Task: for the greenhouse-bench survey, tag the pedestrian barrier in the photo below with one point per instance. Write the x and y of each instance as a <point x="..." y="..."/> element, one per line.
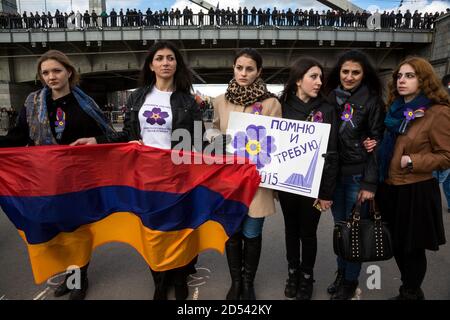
<point x="114" y="116"/>
<point x="4" y="121"/>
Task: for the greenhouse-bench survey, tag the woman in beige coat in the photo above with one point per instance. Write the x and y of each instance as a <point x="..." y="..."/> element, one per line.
<point x="247" y="93"/>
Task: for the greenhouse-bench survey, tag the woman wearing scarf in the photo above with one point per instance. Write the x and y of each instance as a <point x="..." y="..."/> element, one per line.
<point x="416" y="142"/>
<point x="247" y="93"/>
<point x="355" y="89"/>
<point x="302" y="100"/>
<point x="60" y="113"/>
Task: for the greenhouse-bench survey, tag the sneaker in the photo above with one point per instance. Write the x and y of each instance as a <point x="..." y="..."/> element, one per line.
<point x="346" y="291"/>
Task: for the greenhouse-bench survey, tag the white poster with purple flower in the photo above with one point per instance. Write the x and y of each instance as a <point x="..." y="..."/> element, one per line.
<point x="287" y="153"/>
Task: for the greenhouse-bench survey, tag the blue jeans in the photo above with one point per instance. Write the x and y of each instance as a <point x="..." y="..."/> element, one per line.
<point x="444" y="178"/>
<point x="347" y="189"/>
<point x="252" y="227"/>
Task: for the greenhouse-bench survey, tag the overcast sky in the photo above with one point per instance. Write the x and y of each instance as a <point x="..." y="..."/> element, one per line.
<point x="372" y="5"/>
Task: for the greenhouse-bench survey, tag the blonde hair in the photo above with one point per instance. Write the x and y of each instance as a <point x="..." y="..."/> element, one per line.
<point x="64" y="60"/>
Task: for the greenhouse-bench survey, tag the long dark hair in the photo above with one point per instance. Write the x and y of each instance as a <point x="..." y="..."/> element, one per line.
<point x="370" y="76"/>
<point x="183" y="76"/>
<point x="298" y="69"/>
<point x="251" y="53"/>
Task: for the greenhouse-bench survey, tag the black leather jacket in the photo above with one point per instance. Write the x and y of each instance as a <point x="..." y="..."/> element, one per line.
<point x="368" y="120"/>
<point x="185" y="112"/>
<point x="295" y="109"/>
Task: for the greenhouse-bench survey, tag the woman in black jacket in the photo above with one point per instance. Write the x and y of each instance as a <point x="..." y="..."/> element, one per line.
<point x="355" y="89"/>
<point x="302" y="100"/>
<point x="160" y="106"/>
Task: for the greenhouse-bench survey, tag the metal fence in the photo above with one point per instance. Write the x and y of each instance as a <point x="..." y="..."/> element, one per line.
<point x="297" y="19"/>
<point x="115" y="117"/>
<point x="4" y="121"/>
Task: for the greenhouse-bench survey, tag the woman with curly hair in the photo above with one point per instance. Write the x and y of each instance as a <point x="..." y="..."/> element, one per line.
<point x="354" y="88"/>
<point x="416" y="142"/>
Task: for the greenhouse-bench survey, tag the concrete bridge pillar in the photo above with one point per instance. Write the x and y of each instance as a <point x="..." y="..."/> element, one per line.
<point x="12" y="94"/>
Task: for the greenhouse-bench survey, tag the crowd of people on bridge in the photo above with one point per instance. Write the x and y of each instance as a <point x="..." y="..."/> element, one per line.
<point x="377" y="151"/>
<point x="217" y="17"/>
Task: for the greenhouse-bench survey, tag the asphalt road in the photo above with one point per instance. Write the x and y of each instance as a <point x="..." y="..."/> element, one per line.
<point x="117" y="271"/>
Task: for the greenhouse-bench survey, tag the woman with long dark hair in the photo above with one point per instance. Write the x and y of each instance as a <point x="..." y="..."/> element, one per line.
<point x="247" y="93"/>
<point x="354" y="88"/>
<point x="162" y="104"/>
<point x="302" y="100"/>
<point x="416" y="142"/>
<point x="59" y="113"/>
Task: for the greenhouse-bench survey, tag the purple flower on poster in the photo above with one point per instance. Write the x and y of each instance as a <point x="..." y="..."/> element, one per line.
<point x="255" y="145"/>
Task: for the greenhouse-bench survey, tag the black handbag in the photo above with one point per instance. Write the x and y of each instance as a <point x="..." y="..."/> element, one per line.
<point x="362" y="240"/>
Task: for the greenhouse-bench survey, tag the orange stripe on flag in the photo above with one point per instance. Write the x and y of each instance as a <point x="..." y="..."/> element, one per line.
<point x="161" y="250"/>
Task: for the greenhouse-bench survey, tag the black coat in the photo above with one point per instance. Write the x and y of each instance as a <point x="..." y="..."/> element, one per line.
<point x="295" y="109"/>
<point x="185" y="111"/>
<point x="368" y="119"/>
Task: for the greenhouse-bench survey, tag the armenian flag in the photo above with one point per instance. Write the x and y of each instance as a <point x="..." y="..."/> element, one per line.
<point x="65" y="201"/>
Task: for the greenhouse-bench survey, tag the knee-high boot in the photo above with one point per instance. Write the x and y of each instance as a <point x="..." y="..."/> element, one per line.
<point x="234" y="257"/>
<point x="179" y="276"/>
<point x="159" y="279"/>
<point x="252" y="252"/>
<point x="75" y="293"/>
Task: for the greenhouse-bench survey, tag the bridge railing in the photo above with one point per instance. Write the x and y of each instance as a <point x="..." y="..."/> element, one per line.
<point x="222" y="20"/>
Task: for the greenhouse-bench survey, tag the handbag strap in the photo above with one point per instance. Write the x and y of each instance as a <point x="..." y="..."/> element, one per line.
<point x="373" y="211"/>
<point x="356" y="212"/>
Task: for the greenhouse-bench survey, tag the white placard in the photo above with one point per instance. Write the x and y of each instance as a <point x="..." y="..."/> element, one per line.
<point x="288" y="153"/>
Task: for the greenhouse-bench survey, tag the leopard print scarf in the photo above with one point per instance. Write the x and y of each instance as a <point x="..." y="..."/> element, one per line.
<point x="246" y="96"/>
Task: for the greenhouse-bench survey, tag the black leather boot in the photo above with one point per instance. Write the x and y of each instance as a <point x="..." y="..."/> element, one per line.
<point x="180" y="283"/>
<point x="62" y="289"/>
<point x="305" y="286"/>
<point x="290" y="291"/>
<point x="77" y="293"/>
<point x="233" y="249"/>
<point x="252" y="252"/>
<point x="80" y="293"/>
<point x="346" y="291"/>
<point x="332" y="288"/>
<point x="159" y="280"/>
<point x="409" y="294"/>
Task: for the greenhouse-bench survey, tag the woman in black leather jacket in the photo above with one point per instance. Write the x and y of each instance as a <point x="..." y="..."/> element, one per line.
<point x="160" y="106"/>
<point x="302" y="100"/>
<point x="355" y="89"/>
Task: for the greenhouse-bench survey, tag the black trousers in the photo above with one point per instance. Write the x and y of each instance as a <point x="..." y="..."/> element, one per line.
<point x="413" y="266"/>
<point x="174" y="276"/>
<point x="301" y="220"/>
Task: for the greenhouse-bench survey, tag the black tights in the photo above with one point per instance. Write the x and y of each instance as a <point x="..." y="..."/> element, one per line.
<point x="413" y="266"/>
<point x="301" y="221"/>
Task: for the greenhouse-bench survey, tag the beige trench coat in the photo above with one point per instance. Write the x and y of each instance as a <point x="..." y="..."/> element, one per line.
<point x="263" y="203"/>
